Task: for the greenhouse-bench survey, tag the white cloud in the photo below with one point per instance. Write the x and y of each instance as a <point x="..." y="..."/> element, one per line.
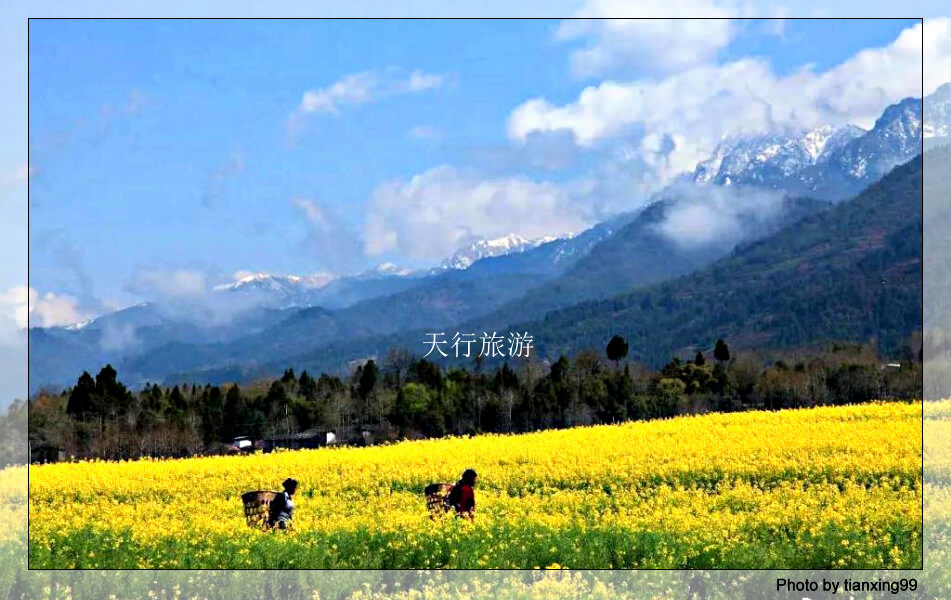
<point x="170" y="283"/>
<point x="432" y="214"/>
<point x="704" y="214"/>
<point x="937" y="53"/>
<point x="51" y="310"/>
<point x="14" y="305"/>
<point x="420" y="82"/>
<point x="654" y="46"/>
<point x="352" y="90"/>
<point x="361" y="88"/>
<point x="679" y="119"/>
<point x="21" y="306"/>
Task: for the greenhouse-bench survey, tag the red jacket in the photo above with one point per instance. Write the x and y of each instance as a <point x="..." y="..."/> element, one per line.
<point x="462" y="498"/>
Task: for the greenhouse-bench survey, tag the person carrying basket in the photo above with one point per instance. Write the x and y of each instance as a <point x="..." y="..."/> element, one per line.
<point x="281" y="509"/>
<point x="458" y="497"/>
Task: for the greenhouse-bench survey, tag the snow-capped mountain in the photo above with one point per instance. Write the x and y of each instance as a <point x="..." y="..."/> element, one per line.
<point x="509" y="244"/>
<point x="271" y="283"/>
<point x="286" y="291"/>
<point x="273" y="291"/>
<point x="386" y="269"/>
<point x="895" y="139"/>
<point x="768" y="159"/>
<point x="937" y="113"/>
<point x="828" y="162"/>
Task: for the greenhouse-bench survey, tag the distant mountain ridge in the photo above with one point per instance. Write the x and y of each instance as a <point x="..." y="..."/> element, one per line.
<point x="767" y="160"/>
<point x="279" y="291"/>
<point x="851" y="273"/>
<point x="526" y="281"/>
<point x="937" y="113"/>
<point x="466" y="256"/>
<point x="829" y="162"/>
<point x="285" y="291"/>
<point x="301" y="314"/>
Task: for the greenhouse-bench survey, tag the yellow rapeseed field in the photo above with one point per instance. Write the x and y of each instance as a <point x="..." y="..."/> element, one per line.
<point x="835" y="487"/>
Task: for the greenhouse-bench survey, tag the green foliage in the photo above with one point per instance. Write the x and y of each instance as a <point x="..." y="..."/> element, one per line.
<point x="413" y="400"/>
<point x="368" y="376"/>
<point x="616" y="349"/>
<point x="431" y="402"/>
<point x="721" y="351"/>
<point x="81" y="398"/>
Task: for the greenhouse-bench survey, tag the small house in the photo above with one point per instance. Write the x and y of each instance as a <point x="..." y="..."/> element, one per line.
<point x="312" y="438"/>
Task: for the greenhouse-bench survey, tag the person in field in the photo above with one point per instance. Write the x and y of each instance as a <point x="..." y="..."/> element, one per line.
<point x="461" y="497"/>
<point x="281" y="510"/>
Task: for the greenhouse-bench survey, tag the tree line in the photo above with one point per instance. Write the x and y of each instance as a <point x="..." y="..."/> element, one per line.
<point x="404" y="396"/>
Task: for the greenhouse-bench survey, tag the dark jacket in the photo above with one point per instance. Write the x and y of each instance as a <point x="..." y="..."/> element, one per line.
<point x="281" y="510"/>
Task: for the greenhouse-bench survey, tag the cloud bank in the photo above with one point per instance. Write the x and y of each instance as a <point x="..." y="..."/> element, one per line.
<point x="434" y="213"/>
<point x="701" y="214"/>
<point x="22" y="306"/>
<point x="618" y="45"/>
<point x="689" y="111"/>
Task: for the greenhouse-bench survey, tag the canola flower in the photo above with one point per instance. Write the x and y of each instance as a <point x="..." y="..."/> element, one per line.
<point x="833" y="487"/>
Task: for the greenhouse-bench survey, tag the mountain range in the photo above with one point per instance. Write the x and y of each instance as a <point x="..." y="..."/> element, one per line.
<point x="468" y="255"/>
<point x="848" y="273"/>
<point x="937" y="114"/>
<point x="829" y="162"/>
<point x="763" y="186"/>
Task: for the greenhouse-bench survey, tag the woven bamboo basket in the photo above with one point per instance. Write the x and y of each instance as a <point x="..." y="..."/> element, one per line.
<point x="436" y="497"/>
<point x="256" y="505"/>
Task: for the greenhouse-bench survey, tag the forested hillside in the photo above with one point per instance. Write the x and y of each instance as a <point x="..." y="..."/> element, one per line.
<point x="937" y="272"/>
<point x="639" y="255"/>
<point x="850" y="273"/>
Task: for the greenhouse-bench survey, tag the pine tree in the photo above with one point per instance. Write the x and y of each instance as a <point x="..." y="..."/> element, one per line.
<point x="721" y="352"/>
<point x="369" y="375"/>
<point x="80" y="402"/>
<point x="308" y="387"/>
<point x="617" y="349"/>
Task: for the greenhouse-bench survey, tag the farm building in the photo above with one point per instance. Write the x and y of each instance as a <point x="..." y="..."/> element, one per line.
<point x="312" y="438"/>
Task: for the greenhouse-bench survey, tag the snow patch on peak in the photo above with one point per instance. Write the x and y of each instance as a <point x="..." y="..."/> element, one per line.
<point x="831" y="161"/>
<point x="80" y="325"/>
<point x="937" y="113"/>
<point x="816" y="141"/>
<point x="758" y="159"/>
<point x="386" y="269"/>
<point x="508" y="244"/>
<point x="389" y="268"/>
<point x="245" y="280"/>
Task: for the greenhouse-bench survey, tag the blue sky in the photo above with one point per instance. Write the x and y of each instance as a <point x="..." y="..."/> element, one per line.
<point x="167" y="156"/>
<point x="181" y="145"/>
